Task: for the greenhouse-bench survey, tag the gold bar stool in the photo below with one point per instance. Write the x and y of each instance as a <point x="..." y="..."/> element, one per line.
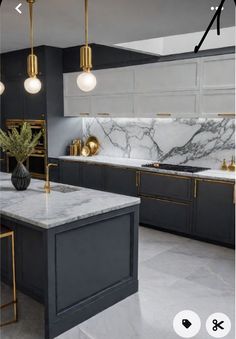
<point x="5" y="234"/>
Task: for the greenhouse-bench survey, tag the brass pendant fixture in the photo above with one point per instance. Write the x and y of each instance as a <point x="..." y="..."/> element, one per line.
<point x="86" y="81"/>
<point x="32" y="84"/>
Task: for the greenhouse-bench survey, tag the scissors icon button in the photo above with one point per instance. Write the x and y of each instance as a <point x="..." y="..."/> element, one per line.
<point x="217" y="325"/>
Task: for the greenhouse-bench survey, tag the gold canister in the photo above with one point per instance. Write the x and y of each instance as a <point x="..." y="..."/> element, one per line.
<point x="71" y="150"/>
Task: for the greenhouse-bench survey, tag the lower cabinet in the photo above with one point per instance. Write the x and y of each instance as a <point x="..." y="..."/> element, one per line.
<point x="28" y="255"/>
<point x="214" y="211"/>
<point x="169" y="215"/>
<point x="92" y="176"/>
<point x="120" y="180"/>
<point x="70" y="173"/>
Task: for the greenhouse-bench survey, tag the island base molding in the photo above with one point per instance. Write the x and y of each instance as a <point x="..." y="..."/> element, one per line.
<point x="78" y="269"/>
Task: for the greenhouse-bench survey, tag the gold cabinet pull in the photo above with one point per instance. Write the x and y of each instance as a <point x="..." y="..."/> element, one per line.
<point x="84" y="114"/>
<point x="234" y="193"/>
<point x="226" y="115"/>
<point x="163" y="114"/>
<point x="103" y="114"/>
<point x="137" y="179"/>
<point x="195" y="189"/>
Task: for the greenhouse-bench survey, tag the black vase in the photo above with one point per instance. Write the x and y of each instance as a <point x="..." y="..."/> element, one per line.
<point x="20" y="177"/>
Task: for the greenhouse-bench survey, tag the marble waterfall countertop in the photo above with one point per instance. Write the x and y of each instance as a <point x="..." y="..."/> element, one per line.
<point x="63" y="205"/>
<point x="137" y="164"/>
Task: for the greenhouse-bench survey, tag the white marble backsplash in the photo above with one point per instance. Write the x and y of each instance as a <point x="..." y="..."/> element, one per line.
<point x="200" y="142"/>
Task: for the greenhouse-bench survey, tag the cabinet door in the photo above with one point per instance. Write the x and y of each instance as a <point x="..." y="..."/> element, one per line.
<point x="121" y="181"/>
<point x="69" y="173"/>
<point x="166" y="186"/>
<point x="113" y="105"/>
<point x="165" y="214"/>
<point x="214" y="211"/>
<point x="12" y="99"/>
<point x="149" y="105"/>
<point x="76" y="106"/>
<point x="35" y="104"/>
<point x="92" y="176"/>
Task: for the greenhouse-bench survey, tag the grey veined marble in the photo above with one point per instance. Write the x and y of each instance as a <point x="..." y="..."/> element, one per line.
<point x="200" y="142"/>
<point x="63" y="205"/>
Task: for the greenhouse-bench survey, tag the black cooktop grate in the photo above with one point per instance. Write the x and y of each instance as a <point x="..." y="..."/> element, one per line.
<point x="179" y="168"/>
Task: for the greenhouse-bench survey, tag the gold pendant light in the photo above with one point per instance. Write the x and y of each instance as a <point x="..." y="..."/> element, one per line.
<point x="86" y="81"/>
<point x="32" y="84"/>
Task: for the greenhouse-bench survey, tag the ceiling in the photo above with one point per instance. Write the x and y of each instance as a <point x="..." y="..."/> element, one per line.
<point x="60" y="22"/>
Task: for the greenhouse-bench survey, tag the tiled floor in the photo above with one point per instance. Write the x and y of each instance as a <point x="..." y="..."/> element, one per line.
<point x="175" y="273"/>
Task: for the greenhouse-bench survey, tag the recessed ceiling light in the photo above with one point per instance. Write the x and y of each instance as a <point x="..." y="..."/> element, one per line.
<point x="212" y="8"/>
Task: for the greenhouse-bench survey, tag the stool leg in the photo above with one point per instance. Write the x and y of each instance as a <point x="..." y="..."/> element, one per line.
<point x="14" y="276"/>
<point x="14" y="301"/>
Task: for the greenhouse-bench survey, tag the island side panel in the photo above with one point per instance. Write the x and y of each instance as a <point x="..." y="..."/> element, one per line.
<point x="29" y="258"/>
<point x="91" y="265"/>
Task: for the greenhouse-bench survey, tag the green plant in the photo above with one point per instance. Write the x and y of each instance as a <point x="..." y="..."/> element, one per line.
<point x="19" y="144"/>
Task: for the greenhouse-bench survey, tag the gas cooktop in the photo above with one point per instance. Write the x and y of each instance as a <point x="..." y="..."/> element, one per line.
<point x="179" y="168"/>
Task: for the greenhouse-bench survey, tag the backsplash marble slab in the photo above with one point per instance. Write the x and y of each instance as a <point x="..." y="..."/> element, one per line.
<point x="200" y="142"/>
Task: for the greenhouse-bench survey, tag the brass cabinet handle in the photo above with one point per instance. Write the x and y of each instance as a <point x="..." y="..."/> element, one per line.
<point x="195" y="189"/>
<point x="163" y="114"/>
<point x="234" y="195"/>
<point x="137" y="179"/>
<point x="103" y="114"/>
<point x="225" y="115"/>
<point x="84" y="114"/>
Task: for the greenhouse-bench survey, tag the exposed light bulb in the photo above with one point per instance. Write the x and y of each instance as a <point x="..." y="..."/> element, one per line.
<point x="2" y="88"/>
<point x="86" y="81"/>
<point x="32" y="85"/>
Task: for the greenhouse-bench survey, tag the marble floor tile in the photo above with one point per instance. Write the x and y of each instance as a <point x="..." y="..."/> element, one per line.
<point x="175" y="273"/>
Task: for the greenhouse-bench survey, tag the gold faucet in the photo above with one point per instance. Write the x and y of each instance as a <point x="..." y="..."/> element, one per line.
<point x="47" y="186"/>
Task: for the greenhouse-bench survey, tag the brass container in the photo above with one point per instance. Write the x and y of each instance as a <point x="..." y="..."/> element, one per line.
<point x="224" y="166"/>
<point x="86" y="151"/>
<point x="231" y="167"/>
<point x="93" y="143"/>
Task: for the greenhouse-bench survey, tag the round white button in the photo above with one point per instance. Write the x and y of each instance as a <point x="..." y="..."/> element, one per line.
<point x="218" y="325"/>
<point x="187" y="324"/>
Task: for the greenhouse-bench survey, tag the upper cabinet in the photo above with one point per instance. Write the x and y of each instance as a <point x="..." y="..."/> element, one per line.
<point x="191" y="87"/>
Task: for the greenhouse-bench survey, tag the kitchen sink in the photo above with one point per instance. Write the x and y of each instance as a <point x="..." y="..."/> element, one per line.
<point x="64" y="189"/>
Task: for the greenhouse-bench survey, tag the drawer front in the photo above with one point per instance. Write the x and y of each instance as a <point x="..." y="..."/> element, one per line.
<point x="165" y="186"/>
<point x="166" y="214"/>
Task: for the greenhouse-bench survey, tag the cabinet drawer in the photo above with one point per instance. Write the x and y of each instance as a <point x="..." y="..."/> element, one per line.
<point x="165" y="186"/>
<point x="165" y="214"/>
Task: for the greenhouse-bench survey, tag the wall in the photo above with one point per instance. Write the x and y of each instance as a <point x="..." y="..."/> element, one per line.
<point x="201" y="142"/>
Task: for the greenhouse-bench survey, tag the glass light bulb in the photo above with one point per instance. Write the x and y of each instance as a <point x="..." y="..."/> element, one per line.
<point x="32" y="85"/>
<point x="86" y="81"/>
<point x="2" y="88"/>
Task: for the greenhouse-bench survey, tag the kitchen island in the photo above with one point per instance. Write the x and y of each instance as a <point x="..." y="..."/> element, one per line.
<point x="76" y="249"/>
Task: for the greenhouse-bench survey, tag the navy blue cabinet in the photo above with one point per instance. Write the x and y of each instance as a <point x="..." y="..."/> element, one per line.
<point x="70" y="173"/>
<point x="120" y="180"/>
<point x="214" y="210"/>
<point x="165" y="201"/>
<point x="92" y="176"/>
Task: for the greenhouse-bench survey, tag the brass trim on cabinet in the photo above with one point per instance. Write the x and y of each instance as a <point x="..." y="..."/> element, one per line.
<point x="195" y="189"/>
<point x="165" y="200"/>
<point x="166" y="175"/>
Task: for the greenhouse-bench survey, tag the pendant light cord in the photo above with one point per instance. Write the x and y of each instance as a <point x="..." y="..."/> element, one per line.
<point x="86" y="22"/>
<point x="31" y="27"/>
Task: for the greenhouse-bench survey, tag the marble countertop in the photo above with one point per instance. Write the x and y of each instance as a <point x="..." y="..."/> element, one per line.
<point x="137" y="164"/>
<point x="36" y="207"/>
